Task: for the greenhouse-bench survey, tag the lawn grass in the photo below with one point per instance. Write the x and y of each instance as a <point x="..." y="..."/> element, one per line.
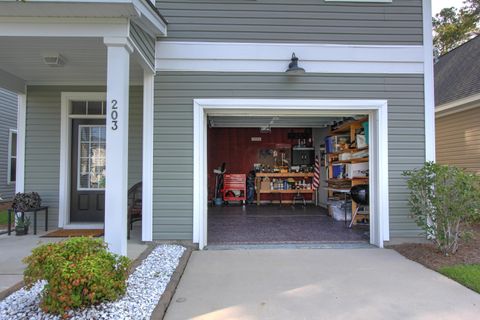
<point x="466" y="274"/>
<point x="3" y="217"/>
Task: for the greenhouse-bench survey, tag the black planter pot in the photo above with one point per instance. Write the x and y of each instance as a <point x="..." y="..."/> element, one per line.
<point x="21" y="231"/>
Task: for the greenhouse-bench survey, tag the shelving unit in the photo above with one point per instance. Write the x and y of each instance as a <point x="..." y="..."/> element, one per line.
<point x="332" y="159"/>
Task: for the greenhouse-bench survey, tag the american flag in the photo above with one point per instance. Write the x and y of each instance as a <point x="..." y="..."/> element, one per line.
<point x="316" y="174"/>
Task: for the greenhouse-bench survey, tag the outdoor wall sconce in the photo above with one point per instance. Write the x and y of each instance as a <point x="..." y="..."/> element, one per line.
<point x="293" y="67"/>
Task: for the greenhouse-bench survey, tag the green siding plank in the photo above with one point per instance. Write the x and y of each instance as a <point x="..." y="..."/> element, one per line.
<point x="289" y="21"/>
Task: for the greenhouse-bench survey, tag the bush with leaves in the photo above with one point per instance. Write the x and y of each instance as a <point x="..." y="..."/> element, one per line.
<point x="79" y="272"/>
<point x="444" y="200"/>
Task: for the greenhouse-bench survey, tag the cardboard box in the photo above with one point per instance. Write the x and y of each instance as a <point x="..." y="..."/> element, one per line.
<point x="357" y="170"/>
<point x="265" y="184"/>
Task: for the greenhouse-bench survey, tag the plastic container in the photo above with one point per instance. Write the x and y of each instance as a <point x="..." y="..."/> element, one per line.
<point x="365" y="129"/>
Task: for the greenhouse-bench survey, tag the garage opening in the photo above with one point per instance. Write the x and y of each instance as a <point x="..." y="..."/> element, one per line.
<point x="288" y="179"/>
<point x="326" y="118"/>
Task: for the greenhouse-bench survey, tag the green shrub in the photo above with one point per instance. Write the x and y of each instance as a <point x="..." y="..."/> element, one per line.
<point x="79" y="272"/>
<point x="443" y="201"/>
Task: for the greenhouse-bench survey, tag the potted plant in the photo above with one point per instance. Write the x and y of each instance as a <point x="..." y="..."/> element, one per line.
<point x="21" y="224"/>
<point x="26" y="201"/>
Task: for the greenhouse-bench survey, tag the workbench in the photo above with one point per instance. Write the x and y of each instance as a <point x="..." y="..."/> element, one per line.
<point x="308" y="176"/>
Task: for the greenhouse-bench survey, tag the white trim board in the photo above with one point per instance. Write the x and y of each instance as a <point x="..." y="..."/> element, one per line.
<point x="275" y="57"/>
<point x="21" y="134"/>
<point x="459" y="105"/>
<point x="62" y="27"/>
<point x="428" y="82"/>
<point x="9" y="156"/>
<point x="147" y="157"/>
<point x="378" y="141"/>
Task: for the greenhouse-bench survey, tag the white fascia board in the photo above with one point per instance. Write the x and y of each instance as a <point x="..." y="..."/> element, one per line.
<point x="64" y="27"/>
<point x="274" y="57"/>
<point x="152" y="23"/>
<point x="459" y="105"/>
<point x="429" y="95"/>
<point x="11" y="82"/>
<point x="138" y="10"/>
<point x="366" y="1"/>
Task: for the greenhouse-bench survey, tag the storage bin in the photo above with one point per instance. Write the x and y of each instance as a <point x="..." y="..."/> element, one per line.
<point x="357" y="170"/>
<point x="345" y="156"/>
<point x="361" y="141"/>
<point x="365" y="129"/>
<point x="336" y="209"/>
<point x="338" y="171"/>
<point x="336" y="143"/>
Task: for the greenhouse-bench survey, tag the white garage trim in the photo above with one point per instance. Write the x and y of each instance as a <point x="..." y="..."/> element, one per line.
<point x="378" y="141"/>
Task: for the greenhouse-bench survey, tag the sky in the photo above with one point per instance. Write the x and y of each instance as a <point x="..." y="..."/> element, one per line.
<point x="438" y="5"/>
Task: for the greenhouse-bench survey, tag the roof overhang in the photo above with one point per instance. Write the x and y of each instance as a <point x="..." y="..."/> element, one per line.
<point x="141" y="12"/>
<point x="459" y="105"/>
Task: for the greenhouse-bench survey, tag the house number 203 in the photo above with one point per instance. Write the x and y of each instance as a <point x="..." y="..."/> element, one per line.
<point x="114" y="115"/>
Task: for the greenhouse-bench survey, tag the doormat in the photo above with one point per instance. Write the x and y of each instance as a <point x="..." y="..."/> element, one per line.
<point x="66" y="233"/>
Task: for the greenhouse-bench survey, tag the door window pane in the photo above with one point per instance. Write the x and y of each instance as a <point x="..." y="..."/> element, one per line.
<point x="91" y="171"/>
<point x="79" y="107"/>
<point x="94" y="107"/>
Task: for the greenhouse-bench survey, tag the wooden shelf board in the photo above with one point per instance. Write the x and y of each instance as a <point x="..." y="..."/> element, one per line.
<point x="288" y="191"/>
<point x="358" y="160"/>
<point x="346" y="151"/>
<point x="358" y="178"/>
<point x="285" y="175"/>
<point x="345" y="127"/>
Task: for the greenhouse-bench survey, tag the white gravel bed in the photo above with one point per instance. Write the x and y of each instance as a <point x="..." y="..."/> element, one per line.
<point x="144" y="289"/>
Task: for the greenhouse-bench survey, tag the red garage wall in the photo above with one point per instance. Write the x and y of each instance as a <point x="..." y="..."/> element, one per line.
<point x="234" y="147"/>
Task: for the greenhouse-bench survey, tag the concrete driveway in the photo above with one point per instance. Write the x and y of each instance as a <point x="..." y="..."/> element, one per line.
<point x="316" y="284"/>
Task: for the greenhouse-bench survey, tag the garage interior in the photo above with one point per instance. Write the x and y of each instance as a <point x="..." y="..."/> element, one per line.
<point x="287" y="179"/>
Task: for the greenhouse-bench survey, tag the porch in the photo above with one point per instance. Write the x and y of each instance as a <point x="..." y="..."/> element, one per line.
<point x="85" y="124"/>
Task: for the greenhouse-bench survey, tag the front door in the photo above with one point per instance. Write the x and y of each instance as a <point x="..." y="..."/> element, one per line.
<point x="87" y="198"/>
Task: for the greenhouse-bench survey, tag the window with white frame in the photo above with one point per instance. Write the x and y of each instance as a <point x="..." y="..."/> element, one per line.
<point x="12" y="156"/>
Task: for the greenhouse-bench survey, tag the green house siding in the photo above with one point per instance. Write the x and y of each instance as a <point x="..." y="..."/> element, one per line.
<point x="287" y="21"/>
<point x="42" y="141"/>
<point x="173" y="132"/>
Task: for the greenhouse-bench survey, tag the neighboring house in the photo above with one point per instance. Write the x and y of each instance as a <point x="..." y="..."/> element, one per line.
<point x="8" y="143"/>
<point x="457" y="99"/>
<point x="107" y="94"/>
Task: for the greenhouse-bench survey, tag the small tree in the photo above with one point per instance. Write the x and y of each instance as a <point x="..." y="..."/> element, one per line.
<point x="443" y="201"/>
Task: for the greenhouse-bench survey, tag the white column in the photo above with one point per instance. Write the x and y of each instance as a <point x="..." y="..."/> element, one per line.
<point x="21" y="132"/>
<point x="147" y="180"/>
<point x="116" y="191"/>
<point x="428" y="82"/>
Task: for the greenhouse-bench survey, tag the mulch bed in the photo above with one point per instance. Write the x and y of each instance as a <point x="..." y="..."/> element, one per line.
<point x="66" y="233"/>
<point x="429" y="256"/>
